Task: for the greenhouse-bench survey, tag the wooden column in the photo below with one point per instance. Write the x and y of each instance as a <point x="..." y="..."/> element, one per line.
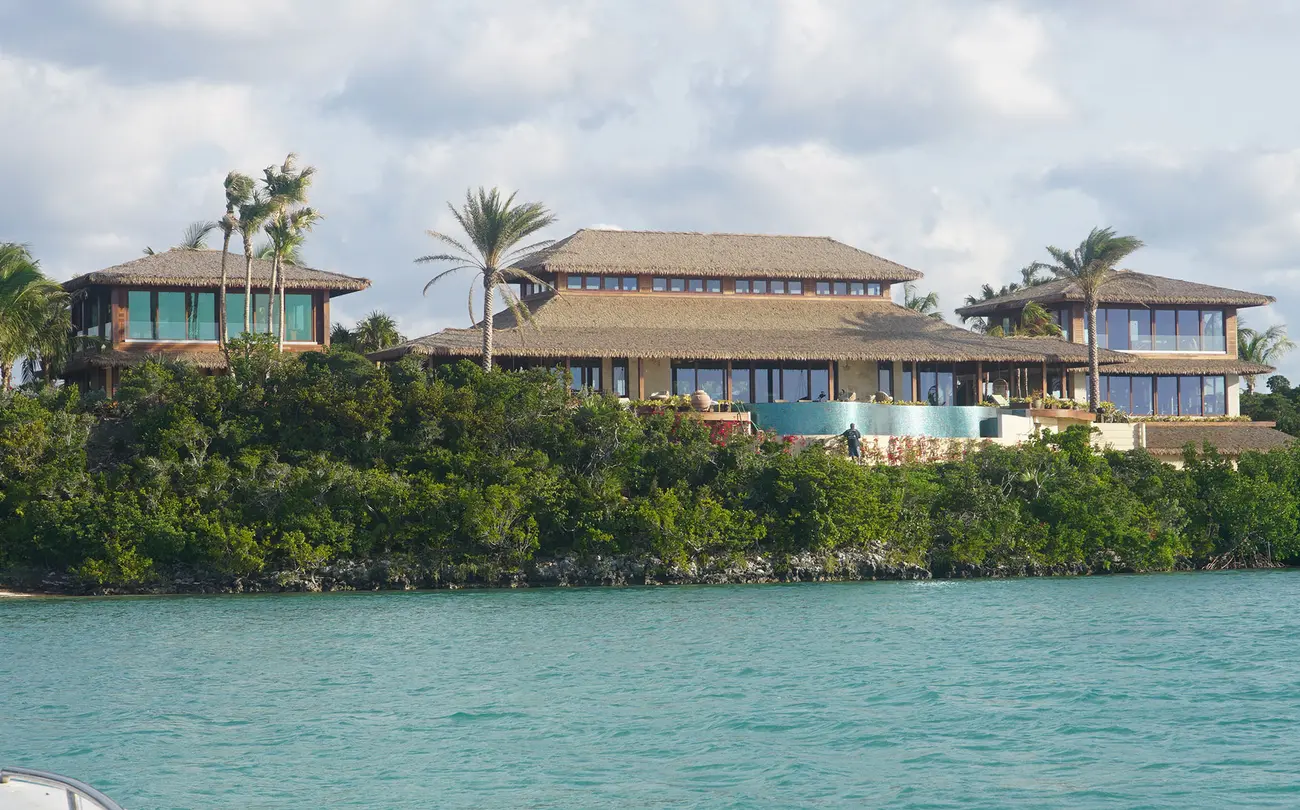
<point x="640" y="379"/>
<point x="979" y="381"/>
<point x="1044" y="378"/>
<point x="726" y="383"/>
<point x="830" y="375"/>
<point x="916" y="382"/>
<point x="324" y="320"/>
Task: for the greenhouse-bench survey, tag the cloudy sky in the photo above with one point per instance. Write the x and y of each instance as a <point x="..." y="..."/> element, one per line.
<point x="955" y="136"/>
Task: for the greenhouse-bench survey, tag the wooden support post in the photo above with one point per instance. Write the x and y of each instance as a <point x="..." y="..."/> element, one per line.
<point x="916" y="382"/>
<point x="1044" y="378"/>
<point x="830" y="376"/>
<point x="979" y="381"/>
<point x="640" y="379"/>
<point x="726" y="383"/>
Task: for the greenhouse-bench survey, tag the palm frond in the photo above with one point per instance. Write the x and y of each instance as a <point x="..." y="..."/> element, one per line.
<point x="196" y="235"/>
<point x="446" y="273"/>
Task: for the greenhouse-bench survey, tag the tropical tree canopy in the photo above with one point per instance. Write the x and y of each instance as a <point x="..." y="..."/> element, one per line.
<point x="376" y="331"/>
<point x="195" y="236"/>
<point x="924" y="304"/>
<point x="34" y="319"/>
<point x="1091" y="266"/>
<point x="495" y="228"/>
<point x="1265" y="348"/>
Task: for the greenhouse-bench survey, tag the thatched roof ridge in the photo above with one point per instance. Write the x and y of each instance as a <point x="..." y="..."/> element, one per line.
<point x="731" y="255"/>
<point x="1130" y="288"/>
<point x="1229" y="438"/>
<point x="731" y="327"/>
<point x="202" y="268"/>
<point x="1188" y="365"/>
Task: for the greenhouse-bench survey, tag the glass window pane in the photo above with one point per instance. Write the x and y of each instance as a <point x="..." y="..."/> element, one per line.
<point x="683" y="379"/>
<point x="201" y="316"/>
<point x="740" y="384"/>
<point x="873" y="289"/>
<point x="261" y="312"/>
<point x="1216" y="403"/>
<point x="297" y="317"/>
<point x="573" y="282"/>
<point x="778" y="288"/>
<point x="1166" y="339"/>
<point x="678" y="285"/>
<point x="794" y="384"/>
<point x="885" y="378"/>
<point x="171" y="316"/>
<point x="611" y="283"/>
<point x="139" y="311"/>
<point x="1141" y="396"/>
<point x="629" y="283"/>
<point x="760" y="286"/>
<point x="659" y="285"/>
<point x="620" y="378"/>
<point x="593" y="377"/>
<point x="1212" y="337"/>
<point x="713" y="285"/>
<point x="841" y="288"/>
<point x="1116" y="329"/>
<point x="1119" y="393"/>
<point x="819" y="383"/>
<point x="1139" y="330"/>
<point x="928" y="383"/>
<point x="946" y="390"/>
<point x="1101" y="328"/>
<point x="823" y="288"/>
<point x="762" y="384"/>
<point x="907" y="394"/>
<point x="742" y="286"/>
<point x="712" y="381"/>
<point x="592" y="283"/>
<point x="794" y="287"/>
<point x="857" y="288"/>
<point x="1189" y="391"/>
<point x="697" y="285"/>
<point x="1103" y="389"/>
<point x="1167" y="396"/>
<point x="1189" y="330"/>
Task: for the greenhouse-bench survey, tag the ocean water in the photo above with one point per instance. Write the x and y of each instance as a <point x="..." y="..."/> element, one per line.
<point x="1142" y="691"/>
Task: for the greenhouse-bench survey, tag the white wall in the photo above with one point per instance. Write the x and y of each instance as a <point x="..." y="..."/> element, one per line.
<point x="1234" y="394"/>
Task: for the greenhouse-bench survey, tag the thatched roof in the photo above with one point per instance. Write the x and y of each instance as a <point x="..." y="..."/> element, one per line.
<point x="714" y="254"/>
<point x="730" y="327"/>
<point x="1230" y="438"/>
<point x="1129" y="288"/>
<point x="109" y="358"/>
<point x="1188" y="365"/>
<point x="202" y="268"/>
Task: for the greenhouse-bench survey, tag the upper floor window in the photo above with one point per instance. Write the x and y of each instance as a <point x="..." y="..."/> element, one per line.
<point x="1161" y="330"/>
<point x="764" y="286"/>
<point x="695" y="285"/>
<point x="182" y="317"/>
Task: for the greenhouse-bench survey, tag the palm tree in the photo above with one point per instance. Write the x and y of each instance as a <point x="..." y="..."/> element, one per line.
<point x="252" y="216"/>
<point x="1091" y="266"/>
<point x="921" y="304"/>
<point x="266" y="251"/>
<point x="340" y="335"/>
<point x="376" y="331"/>
<point x="28" y="304"/>
<point x="1264" y="348"/>
<point x="53" y="343"/>
<point x="1036" y="321"/>
<point x="495" y="228"/>
<point x="194" y="238"/>
<point x="239" y="191"/>
<point x="286" y="189"/>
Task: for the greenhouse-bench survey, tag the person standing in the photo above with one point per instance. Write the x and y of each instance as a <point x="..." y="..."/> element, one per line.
<point x="854" y="439"/>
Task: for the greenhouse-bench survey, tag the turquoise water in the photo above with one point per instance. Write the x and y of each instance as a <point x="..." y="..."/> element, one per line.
<point x="1158" y="691"/>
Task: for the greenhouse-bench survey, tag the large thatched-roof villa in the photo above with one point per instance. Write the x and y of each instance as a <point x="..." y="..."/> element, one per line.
<point x="778" y="321"/>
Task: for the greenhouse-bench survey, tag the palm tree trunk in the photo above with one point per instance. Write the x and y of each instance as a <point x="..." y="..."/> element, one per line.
<point x="270" y="302"/>
<point x="488" y="290"/>
<point x="248" y="283"/>
<point x="1250" y="383"/>
<point x="221" y="301"/>
<point x="282" y="306"/>
<point x="1094" y="379"/>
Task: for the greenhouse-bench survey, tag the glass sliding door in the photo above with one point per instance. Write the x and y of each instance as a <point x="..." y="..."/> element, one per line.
<point x="1167" y="396"/>
<point x="711" y="380"/>
<point x="819" y="383"/>
<point x="740" y="388"/>
<point x="1166" y="337"/>
<point x="1142" y="396"/>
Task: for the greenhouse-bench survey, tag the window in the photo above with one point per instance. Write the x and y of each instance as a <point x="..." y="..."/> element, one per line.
<point x="778" y="288"/>
<point x="1139" y="330"/>
<point x="678" y="285"/>
<point x="1116" y="331"/>
<point x="873" y="289"/>
<point x="841" y="288"/>
<point x="742" y="286"/>
<point x="1119" y="393"/>
<point x="857" y="288"/>
<point x="173" y="316"/>
<point x="1166" y="338"/>
<point x="1167" y="396"/>
<point x="592" y="283"/>
<point x="1189" y="396"/>
<point x="659" y="285"/>
<point x="885" y="377"/>
<point x="767" y="382"/>
<point x="573" y="283"/>
<point x="794" y="384"/>
<point x="697" y="285"/>
<point x="1189" y="330"/>
<point x="819" y="383"/>
<point x="611" y="283"/>
<point x="297" y="317"/>
<point x="139" y="310"/>
<point x="584" y="374"/>
<point x="936" y="384"/>
<point x="689" y="378"/>
<point x="907" y="394"/>
<point x="630" y="284"/>
<point x="1141" y="399"/>
<point x="1213" y="396"/>
<point x="713" y="285"/>
<point x="823" y="288"/>
<point x="1212" y="335"/>
<point x="794" y="287"/>
<point x="740" y="384"/>
<point x="760" y="287"/>
<point x="619" y="371"/>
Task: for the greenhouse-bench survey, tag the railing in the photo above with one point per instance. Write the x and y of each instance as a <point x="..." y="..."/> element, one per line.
<point x="79" y="795"/>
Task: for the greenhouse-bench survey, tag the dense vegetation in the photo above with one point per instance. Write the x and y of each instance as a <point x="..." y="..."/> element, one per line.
<point x="1281" y="405"/>
<point x="293" y="463"/>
